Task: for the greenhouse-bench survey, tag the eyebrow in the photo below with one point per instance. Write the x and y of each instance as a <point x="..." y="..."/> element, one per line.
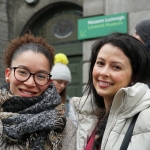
<point x="99" y="58"/>
<point x="24" y="67"/>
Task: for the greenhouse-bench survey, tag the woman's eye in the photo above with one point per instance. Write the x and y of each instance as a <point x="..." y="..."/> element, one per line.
<point x="117" y="67"/>
<point x="59" y="81"/>
<point x="22" y="72"/>
<point x="40" y="76"/>
<point x="100" y="63"/>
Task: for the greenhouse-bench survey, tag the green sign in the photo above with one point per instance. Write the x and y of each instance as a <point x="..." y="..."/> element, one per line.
<point x="102" y="25"/>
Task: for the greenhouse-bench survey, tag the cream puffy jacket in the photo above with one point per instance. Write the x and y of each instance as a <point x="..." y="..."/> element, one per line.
<point x="127" y="102"/>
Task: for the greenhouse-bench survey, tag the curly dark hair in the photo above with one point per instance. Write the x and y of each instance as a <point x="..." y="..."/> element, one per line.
<point x="25" y="43"/>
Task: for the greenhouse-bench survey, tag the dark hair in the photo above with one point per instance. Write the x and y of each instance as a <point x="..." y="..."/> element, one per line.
<point x="28" y="42"/>
<point x="137" y="53"/>
<point x="139" y="58"/>
<point x="63" y="96"/>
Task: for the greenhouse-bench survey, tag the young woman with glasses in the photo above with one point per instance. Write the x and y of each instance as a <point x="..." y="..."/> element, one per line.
<point x="31" y="114"/>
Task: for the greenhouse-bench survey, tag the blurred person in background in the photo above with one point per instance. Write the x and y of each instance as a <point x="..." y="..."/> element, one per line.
<point x="142" y="32"/>
<point x="61" y="77"/>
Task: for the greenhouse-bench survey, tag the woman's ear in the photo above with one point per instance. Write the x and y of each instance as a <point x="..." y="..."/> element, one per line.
<point x="7" y="74"/>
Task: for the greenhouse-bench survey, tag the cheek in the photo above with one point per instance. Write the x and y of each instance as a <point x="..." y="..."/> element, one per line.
<point x="63" y="88"/>
<point x="95" y="75"/>
<point x="56" y="84"/>
<point x="95" y="72"/>
<point x="43" y="88"/>
<point x="122" y="79"/>
<point x="14" y="86"/>
<point x="118" y="77"/>
<point x="13" y="80"/>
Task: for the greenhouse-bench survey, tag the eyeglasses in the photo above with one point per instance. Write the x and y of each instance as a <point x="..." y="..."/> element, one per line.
<point x="23" y="75"/>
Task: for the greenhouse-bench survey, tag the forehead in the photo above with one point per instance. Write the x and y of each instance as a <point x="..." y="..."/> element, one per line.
<point x="113" y="53"/>
<point x="31" y="59"/>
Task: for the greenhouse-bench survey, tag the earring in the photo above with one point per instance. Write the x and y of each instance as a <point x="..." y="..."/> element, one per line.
<point x="7" y="80"/>
<point x="131" y="83"/>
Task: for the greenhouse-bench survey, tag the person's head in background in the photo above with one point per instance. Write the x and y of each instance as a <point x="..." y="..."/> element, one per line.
<point x="142" y="32"/>
<point x="61" y="75"/>
<point x="117" y="61"/>
<point x="28" y="60"/>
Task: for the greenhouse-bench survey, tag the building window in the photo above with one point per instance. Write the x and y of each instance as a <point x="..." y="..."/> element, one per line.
<point x="61" y="28"/>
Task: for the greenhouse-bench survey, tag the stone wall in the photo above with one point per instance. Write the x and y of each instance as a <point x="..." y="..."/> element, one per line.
<point x="4" y="33"/>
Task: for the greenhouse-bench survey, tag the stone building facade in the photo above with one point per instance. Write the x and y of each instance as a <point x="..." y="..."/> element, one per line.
<point x="16" y="17"/>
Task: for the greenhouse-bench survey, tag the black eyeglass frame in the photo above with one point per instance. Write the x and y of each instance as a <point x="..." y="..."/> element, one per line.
<point x="49" y="75"/>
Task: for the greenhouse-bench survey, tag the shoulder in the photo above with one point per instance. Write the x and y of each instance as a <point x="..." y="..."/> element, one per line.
<point x="79" y="102"/>
<point x="141" y="133"/>
<point x="69" y="136"/>
<point x="85" y="104"/>
<point x="143" y="121"/>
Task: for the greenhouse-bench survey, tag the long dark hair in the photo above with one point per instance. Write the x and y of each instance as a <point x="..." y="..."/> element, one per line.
<point x="63" y="96"/>
<point x="139" y="58"/>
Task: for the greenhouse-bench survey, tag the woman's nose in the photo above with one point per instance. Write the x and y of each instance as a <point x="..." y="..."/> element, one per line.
<point x="30" y="81"/>
<point x="104" y="71"/>
<point x="63" y="85"/>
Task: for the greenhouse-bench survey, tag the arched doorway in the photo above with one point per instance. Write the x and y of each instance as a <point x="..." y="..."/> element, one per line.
<point x="58" y="24"/>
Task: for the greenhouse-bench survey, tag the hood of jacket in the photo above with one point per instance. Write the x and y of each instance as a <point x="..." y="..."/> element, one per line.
<point x="131" y="100"/>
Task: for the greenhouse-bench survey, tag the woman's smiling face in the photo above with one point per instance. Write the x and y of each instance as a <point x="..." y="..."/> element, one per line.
<point x="33" y="62"/>
<point x="112" y="71"/>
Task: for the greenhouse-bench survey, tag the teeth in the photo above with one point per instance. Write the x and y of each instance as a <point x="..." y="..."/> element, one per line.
<point x="28" y="93"/>
<point x="104" y="83"/>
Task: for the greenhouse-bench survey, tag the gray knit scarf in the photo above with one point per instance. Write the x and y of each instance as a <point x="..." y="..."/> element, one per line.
<point x="32" y="121"/>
